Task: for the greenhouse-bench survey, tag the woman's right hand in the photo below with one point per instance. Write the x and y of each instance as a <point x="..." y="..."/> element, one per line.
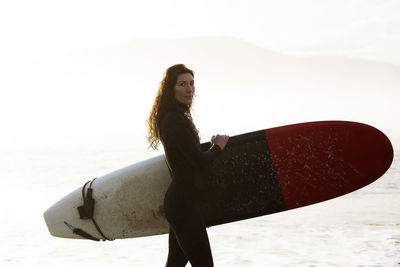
<point x="220" y="140"/>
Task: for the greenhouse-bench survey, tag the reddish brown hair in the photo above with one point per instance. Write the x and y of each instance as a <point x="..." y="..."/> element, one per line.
<point x="165" y="101"/>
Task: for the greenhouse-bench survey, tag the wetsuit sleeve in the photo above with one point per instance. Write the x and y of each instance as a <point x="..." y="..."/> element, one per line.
<point x="175" y="129"/>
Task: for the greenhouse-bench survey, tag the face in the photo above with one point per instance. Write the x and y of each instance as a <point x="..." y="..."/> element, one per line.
<point x="184" y="88"/>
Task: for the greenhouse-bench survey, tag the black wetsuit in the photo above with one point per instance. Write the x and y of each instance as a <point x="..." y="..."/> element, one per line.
<point x="188" y="240"/>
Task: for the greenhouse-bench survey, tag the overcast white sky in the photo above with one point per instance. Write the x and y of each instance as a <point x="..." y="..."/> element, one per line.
<point x="369" y="28"/>
<point x="32" y="29"/>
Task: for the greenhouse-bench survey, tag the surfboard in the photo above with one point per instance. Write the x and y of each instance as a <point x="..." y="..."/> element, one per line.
<point x="258" y="173"/>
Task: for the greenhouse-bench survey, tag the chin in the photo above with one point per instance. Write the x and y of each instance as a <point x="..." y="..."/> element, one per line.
<point x="187" y="102"/>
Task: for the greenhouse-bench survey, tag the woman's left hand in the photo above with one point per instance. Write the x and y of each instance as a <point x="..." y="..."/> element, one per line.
<point x="220" y="140"/>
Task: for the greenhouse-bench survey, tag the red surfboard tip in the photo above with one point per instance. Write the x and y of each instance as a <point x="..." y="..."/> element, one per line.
<point x="317" y="161"/>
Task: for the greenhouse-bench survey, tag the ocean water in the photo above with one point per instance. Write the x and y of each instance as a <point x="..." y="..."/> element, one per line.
<point x="359" y="229"/>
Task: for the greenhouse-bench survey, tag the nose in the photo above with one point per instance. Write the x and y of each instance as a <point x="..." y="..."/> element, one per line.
<point x="189" y="88"/>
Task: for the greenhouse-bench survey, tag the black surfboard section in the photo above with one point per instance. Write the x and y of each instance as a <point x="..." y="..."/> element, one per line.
<point x="241" y="183"/>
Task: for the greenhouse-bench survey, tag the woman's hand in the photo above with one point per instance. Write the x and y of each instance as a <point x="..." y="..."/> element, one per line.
<point x="220" y="140"/>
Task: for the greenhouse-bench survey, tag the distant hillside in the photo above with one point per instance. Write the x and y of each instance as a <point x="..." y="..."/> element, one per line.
<point x="226" y="61"/>
<point x="251" y="86"/>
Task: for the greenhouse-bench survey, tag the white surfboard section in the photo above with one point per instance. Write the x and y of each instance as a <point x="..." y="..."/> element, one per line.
<point x="128" y="203"/>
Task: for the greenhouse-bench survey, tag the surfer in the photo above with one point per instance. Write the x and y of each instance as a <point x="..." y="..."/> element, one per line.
<point x="170" y="122"/>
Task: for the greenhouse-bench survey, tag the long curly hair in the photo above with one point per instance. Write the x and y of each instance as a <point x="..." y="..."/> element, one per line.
<point x="165" y="101"/>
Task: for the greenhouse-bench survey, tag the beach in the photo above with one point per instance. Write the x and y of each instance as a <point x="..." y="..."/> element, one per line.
<point x="358" y="229"/>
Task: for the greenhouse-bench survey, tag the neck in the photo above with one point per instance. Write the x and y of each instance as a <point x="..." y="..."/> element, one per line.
<point x="182" y="108"/>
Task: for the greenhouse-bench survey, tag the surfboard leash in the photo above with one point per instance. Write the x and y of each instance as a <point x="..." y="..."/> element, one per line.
<point x="80" y="232"/>
<point x="86" y="212"/>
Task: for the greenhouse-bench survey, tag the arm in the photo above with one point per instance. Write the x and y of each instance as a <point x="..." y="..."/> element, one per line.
<point x="175" y="129"/>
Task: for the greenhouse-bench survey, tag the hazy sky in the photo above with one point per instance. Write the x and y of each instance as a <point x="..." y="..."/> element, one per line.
<point x="33" y="29"/>
<point x="368" y="28"/>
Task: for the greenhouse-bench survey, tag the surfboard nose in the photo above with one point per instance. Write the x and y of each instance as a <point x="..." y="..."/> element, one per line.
<point x="369" y="150"/>
<point x="332" y="157"/>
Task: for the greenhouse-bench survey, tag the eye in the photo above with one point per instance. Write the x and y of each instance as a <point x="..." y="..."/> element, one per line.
<point x="192" y="83"/>
<point x="182" y="83"/>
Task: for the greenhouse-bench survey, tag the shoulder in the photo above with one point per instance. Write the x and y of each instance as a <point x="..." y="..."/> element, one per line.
<point x="172" y="118"/>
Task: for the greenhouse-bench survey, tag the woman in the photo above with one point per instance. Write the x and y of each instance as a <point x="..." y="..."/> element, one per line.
<point x="171" y="123"/>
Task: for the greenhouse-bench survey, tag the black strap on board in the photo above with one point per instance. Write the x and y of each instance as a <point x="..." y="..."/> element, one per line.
<point x="86" y="212"/>
<point x="80" y="232"/>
